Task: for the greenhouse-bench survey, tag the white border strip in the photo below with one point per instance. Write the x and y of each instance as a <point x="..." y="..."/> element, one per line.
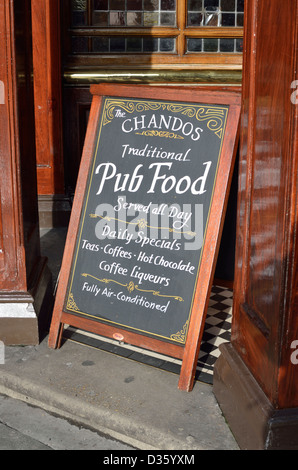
<point x="17" y="310"/>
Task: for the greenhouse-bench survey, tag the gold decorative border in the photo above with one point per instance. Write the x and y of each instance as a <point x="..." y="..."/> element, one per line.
<point x="131" y="286"/>
<point x="214" y="115"/>
<point x="142" y="223"/>
<point x="165" y="134"/>
<point x="181" y="335"/>
<point x="71" y="304"/>
<point x="128" y="106"/>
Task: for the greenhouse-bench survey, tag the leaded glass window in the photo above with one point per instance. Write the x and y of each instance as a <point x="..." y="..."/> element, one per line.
<point x="169" y="31"/>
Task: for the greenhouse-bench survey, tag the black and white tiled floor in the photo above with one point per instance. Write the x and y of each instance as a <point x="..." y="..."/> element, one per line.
<point x="217" y="330"/>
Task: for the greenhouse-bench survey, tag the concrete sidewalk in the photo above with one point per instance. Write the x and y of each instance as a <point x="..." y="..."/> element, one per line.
<point x="126" y="400"/>
<point x="26" y="427"/>
<point x="123" y="399"/>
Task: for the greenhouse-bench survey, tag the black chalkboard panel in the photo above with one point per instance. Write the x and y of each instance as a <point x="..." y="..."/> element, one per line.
<point x="145" y="214"/>
<point x="147" y="217"/>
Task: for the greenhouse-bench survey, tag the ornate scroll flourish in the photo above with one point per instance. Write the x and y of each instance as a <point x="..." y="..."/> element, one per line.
<point x="214" y="115"/>
<point x="167" y="135"/>
<point x="71" y="305"/>
<point x="215" y="118"/>
<point x="142" y="223"/>
<point x="181" y="335"/>
<point x="131" y="286"/>
<point x="128" y="106"/>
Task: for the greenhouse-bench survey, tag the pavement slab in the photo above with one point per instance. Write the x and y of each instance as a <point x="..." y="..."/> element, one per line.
<point x="137" y="404"/>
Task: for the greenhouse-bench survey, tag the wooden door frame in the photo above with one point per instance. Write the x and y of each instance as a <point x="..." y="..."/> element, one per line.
<point x="48" y="96"/>
<point x="25" y="280"/>
<point x="255" y="378"/>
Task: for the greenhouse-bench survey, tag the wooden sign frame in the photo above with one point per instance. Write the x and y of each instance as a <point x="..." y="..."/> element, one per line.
<point x="189" y="351"/>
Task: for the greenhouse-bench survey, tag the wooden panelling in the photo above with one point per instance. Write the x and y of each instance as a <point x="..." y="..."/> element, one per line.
<point x="288" y="371"/>
<point x="47" y="95"/>
<point x="25" y="280"/>
<point x="12" y="270"/>
<point x="1" y="239"/>
<point x="266" y="260"/>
